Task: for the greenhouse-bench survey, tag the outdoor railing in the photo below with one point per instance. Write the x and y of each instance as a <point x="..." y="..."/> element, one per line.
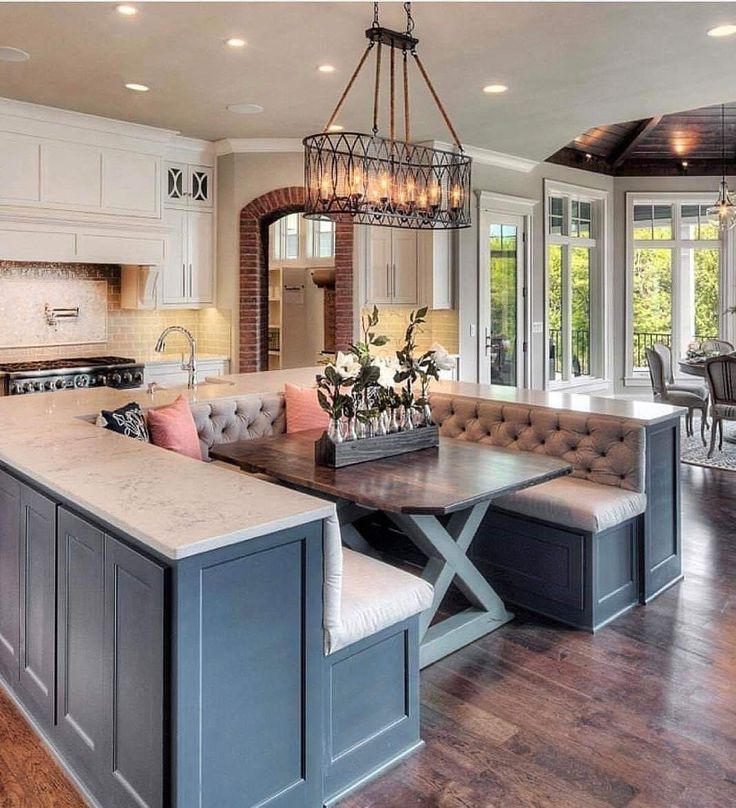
<point x="645" y="339"/>
<point x="580" y="352"/>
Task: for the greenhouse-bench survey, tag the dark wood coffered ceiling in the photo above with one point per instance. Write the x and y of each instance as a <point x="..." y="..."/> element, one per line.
<point x="685" y="143"/>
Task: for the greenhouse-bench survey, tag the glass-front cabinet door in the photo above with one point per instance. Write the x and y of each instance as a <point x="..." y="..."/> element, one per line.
<point x="189" y="186"/>
<point x="501" y="296"/>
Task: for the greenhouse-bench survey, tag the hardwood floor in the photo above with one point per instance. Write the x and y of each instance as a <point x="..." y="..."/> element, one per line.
<point x="643" y="714"/>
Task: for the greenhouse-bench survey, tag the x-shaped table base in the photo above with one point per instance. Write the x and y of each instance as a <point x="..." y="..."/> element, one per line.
<point x="446" y="548"/>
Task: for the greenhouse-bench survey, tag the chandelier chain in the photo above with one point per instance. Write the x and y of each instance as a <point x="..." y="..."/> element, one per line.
<point x="375" y="23"/>
<point x="409" y="19"/>
<point x="377" y="90"/>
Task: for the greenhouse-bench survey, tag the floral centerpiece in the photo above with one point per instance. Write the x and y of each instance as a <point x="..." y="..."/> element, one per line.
<point x="368" y="396"/>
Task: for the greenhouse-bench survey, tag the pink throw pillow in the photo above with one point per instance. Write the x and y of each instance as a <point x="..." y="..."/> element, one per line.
<point x="172" y="427"/>
<point x="303" y="410"/>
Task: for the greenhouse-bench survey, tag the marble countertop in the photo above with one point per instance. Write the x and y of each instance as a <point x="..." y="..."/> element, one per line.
<point x="174" y="505"/>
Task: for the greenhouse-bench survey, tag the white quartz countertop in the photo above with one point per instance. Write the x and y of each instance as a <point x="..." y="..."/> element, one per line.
<point x="174" y="505"/>
<point x="180" y="507"/>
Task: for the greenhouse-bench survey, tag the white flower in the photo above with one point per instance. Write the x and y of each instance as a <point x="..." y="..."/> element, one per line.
<point x="388" y="368"/>
<point x="442" y="359"/>
<point x="347" y="366"/>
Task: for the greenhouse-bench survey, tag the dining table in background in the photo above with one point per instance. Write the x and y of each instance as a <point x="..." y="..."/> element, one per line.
<point x="437" y="497"/>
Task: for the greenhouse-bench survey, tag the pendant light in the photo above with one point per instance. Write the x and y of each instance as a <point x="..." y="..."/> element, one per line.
<point x="724" y="209"/>
<point x="369" y="179"/>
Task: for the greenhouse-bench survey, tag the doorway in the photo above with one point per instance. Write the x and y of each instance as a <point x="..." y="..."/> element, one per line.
<point x="502" y="289"/>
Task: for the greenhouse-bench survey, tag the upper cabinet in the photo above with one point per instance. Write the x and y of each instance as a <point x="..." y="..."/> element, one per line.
<point x="57" y="175"/>
<point x="189" y="186"/>
<point x="406" y="267"/>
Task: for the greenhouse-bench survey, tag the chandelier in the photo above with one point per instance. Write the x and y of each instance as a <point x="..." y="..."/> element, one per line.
<point x="724" y="209"/>
<point x="369" y="179"/>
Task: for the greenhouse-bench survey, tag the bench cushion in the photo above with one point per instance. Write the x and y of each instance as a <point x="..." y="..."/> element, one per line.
<point x="374" y="596"/>
<point x="576" y="503"/>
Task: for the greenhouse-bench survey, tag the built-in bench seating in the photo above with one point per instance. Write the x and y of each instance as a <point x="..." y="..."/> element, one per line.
<point x="574" y="548"/>
<point x="371" y="628"/>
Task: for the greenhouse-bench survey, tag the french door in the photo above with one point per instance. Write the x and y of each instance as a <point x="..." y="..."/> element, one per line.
<point x="501" y="296"/>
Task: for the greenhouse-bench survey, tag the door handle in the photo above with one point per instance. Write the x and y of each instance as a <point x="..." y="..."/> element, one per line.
<point x="389" y="285"/>
<point x="190" y="280"/>
<point x="184" y="280"/>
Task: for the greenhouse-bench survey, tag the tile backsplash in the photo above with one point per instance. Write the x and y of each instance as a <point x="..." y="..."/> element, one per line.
<point x="441" y="326"/>
<point x="129" y="333"/>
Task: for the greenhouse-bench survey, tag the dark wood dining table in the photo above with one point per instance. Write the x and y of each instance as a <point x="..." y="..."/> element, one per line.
<point x="437" y="497"/>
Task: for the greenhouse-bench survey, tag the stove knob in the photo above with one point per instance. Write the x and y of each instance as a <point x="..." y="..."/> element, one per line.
<point x="28" y="387"/>
<point x="16" y="389"/>
<point x="101" y="380"/>
<point x="115" y="380"/>
<point x="49" y="385"/>
<point x="127" y="378"/>
<point x="138" y="377"/>
<point x="81" y="381"/>
<point x="38" y="385"/>
<point x="59" y="384"/>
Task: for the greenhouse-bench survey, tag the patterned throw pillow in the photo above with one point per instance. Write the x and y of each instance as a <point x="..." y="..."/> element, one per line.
<point x="128" y="420"/>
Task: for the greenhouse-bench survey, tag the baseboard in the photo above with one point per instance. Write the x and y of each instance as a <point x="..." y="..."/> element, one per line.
<point x="389" y="764"/>
<point x="669" y="584"/>
<point x="50" y="748"/>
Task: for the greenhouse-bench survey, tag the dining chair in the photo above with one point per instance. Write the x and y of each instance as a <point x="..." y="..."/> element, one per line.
<point x="666" y="394"/>
<point x="690" y="386"/>
<point x="721" y="345"/>
<point x="720" y="373"/>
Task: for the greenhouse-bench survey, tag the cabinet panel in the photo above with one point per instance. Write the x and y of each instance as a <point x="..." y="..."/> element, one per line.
<point x="201" y="186"/>
<point x="130" y="183"/>
<point x="378" y="266"/>
<point x="134" y="630"/>
<point x="9" y="576"/>
<point x="71" y="175"/>
<point x="38" y="603"/>
<point x="19" y="170"/>
<point x="109" y="248"/>
<point x="404" y="264"/>
<point x="34" y="244"/>
<point x="174" y="286"/>
<point x="175" y="183"/>
<point x="201" y="269"/>
<point x="81" y="713"/>
<point x="436" y="260"/>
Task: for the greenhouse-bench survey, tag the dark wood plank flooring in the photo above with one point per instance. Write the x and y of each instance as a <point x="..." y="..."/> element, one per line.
<point x="643" y="714"/>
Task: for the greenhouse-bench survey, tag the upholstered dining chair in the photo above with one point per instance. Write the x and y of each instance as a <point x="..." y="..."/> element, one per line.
<point x="666" y="394"/>
<point x="721" y="345"/>
<point x="720" y="373"/>
<point x="690" y="385"/>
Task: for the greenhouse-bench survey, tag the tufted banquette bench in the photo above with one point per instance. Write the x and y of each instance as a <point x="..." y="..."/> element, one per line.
<point x="580" y="549"/>
<point x="583" y="548"/>
<point x="370" y="621"/>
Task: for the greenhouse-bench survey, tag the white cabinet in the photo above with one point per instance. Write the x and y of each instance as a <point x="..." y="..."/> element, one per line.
<point x="71" y="175"/>
<point x="408" y="267"/>
<point x="130" y="183"/>
<point x="190" y="186"/>
<point x="19" y="170"/>
<point x="436" y="268"/>
<point x="189" y="271"/>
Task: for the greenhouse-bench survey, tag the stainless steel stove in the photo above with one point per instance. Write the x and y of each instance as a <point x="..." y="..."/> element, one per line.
<point x="60" y="374"/>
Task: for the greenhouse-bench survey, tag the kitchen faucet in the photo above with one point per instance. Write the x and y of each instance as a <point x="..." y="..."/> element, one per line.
<point x="191" y="366"/>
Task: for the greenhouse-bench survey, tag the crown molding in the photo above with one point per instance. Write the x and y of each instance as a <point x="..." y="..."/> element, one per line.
<point x="488" y="157"/>
<point x="258" y="145"/>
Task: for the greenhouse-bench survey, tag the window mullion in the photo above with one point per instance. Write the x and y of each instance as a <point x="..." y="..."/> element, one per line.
<point x="567" y="312"/>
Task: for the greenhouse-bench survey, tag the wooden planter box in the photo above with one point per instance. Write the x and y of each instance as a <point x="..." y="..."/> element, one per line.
<point x="337" y="455"/>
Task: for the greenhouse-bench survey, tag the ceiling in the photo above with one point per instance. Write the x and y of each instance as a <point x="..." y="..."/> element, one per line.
<point x="569" y="66"/>
<point x="682" y="143"/>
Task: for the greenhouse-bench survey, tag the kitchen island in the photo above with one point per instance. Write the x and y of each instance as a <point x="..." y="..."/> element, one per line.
<point x="160" y="618"/>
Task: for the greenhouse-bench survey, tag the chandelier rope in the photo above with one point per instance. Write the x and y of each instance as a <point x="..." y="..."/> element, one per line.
<point x="368" y="178"/>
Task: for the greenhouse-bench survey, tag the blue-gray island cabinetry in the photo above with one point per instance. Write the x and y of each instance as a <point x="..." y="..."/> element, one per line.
<point x="191" y="682"/>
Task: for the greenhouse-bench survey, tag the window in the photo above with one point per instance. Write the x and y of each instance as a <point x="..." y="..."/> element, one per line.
<point x="674" y="276"/>
<point x="574" y="284"/>
<point x="306" y="241"/>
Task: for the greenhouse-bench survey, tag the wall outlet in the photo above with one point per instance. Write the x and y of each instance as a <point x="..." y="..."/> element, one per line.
<point x="537" y="328"/>
<point x="472" y="329"/>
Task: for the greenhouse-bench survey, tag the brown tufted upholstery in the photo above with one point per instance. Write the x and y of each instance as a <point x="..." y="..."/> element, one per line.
<point x="602" y="449"/>
<point x="230" y="419"/>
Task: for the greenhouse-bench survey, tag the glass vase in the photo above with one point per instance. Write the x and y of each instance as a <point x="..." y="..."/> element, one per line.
<point x="394" y="422"/>
<point x="350" y="431"/>
<point x="334" y="431"/>
<point x="407" y="421"/>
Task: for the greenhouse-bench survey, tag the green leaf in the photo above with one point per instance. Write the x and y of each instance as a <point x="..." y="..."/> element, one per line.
<point x="380" y="340"/>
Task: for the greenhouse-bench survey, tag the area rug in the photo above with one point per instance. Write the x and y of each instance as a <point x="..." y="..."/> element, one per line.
<point x="693" y="452"/>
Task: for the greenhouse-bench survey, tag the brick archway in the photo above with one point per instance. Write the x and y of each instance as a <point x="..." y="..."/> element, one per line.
<point x="255" y="219"/>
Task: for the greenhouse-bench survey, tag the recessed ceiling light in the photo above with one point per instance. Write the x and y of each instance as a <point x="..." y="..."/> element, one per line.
<point x="727" y="29"/>
<point x="235" y="42"/>
<point x="335" y="127"/>
<point x="126" y="10"/>
<point x="138" y="88"/>
<point x="684" y="163"/>
<point x="8" y="54"/>
<point x="494" y="89"/>
<point x="326" y="68"/>
<point x="245" y="109"/>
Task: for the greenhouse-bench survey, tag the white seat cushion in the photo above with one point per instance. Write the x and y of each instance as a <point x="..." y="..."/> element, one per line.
<point x="576" y="503"/>
<point x="374" y="596"/>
